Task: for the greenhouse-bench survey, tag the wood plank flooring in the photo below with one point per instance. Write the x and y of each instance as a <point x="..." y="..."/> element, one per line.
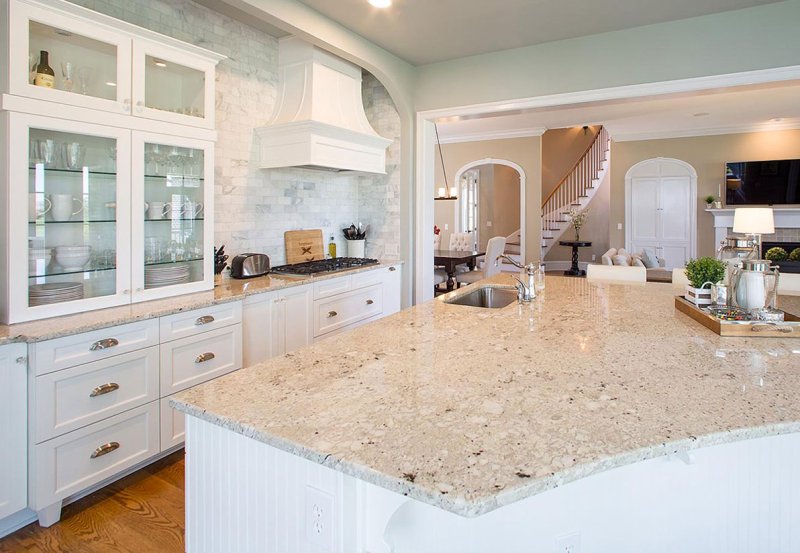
<point x="142" y="513"/>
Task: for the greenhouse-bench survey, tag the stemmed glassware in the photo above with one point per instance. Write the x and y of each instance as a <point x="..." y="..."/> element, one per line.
<point x="67" y="72"/>
<point x="84" y="78"/>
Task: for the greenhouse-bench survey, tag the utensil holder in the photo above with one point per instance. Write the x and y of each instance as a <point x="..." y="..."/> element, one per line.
<point x="355" y="248"/>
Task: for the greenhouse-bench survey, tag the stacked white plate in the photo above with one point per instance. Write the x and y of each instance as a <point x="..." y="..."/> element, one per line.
<point x="54" y="292"/>
<point x="166" y="275"/>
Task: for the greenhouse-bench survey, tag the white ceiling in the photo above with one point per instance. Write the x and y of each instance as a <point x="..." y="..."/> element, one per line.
<point x="713" y="112"/>
<point x="427" y="31"/>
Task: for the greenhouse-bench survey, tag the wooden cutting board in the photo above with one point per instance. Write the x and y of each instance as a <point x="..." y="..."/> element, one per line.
<point x="303" y="245"/>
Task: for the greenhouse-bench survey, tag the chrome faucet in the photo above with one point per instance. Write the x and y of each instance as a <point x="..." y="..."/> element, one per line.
<point x="525" y="292"/>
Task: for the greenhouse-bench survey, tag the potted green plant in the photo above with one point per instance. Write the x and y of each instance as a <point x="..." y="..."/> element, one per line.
<point x="703" y="272"/>
<point x="776" y="254"/>
<point x="709" y="201"/>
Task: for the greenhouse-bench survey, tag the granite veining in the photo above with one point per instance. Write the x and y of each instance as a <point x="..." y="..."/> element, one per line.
<point x="228" y="290"/>
<point x="470" y="409"/>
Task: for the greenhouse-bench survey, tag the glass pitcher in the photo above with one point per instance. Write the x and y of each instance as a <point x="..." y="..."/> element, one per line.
<point x="754" y="285"/>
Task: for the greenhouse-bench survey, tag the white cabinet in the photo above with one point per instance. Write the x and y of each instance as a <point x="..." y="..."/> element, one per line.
<point x="392" y="277"/>
<point x="13" y="428"/>
<point x="104" y="64"/>
<point x="109" y="196"/>
<point x="257" y="342"/>
<point x="291" y="319"/>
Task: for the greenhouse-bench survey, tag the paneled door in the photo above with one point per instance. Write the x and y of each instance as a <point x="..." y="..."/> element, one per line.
<point x="660" y="210"/>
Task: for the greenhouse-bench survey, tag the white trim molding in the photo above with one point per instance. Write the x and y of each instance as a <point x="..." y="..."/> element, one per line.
<point x="709" y="131"/>
<point x="492" y="135"/>
<point x="785" y="217"/>
<point x="522" y="180"/>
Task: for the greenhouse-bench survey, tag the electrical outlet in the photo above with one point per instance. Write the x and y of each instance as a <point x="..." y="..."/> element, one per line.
<point x="619" y="226"/>
<point x="319" y="518"/>
<point x="488" y="223"/>
<point x="446" y="226"/>
<point x="568" y="543"/>
<point x="594" y="257"/>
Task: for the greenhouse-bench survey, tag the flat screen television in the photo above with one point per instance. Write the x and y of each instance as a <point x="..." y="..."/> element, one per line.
<point x="773" y="182"/>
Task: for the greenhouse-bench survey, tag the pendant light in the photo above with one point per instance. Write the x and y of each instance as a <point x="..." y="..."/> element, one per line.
<point x="444" y="193"/>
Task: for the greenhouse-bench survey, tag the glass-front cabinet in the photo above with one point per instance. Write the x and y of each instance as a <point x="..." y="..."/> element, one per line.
<point x="107" y="67"/>
<point x="71" y="219"/>
<point x="170" y="246"/>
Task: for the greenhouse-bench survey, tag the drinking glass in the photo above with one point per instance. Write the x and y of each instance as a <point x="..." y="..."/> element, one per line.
<point x="84" y="78"/>
<point x="47" y="152"/>
<point x="67" y="72"/>
<point x="74" y="153"/>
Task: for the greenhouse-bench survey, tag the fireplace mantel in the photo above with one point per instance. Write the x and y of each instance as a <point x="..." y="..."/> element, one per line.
<point x="785" y="217"/>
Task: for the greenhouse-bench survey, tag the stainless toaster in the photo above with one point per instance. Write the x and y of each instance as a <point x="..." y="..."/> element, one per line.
<point x="249" y="265"/>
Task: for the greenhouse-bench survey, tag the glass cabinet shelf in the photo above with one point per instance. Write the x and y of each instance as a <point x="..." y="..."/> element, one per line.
<point x="92" y="172"/>
<point x="72" y="272"/>
<point x="85" y="222"/>
<point x="177" y="261"/>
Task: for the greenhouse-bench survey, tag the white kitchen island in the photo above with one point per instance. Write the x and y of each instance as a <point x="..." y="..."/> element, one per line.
<point x="596" y="418"/>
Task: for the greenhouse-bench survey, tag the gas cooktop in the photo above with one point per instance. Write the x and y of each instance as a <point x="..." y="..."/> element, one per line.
<point x="310" y="268"/>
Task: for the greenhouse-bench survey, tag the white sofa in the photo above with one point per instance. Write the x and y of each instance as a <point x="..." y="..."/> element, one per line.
<point x="621" y="258"/>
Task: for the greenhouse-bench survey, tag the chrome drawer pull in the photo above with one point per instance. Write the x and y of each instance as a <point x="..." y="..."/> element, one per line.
<point x="104" y="344"/>
<point x="332" y="314"/>
<point x="104" y="389"/>
<point x="370" y="302"/>
<point x="204" y="320"/>
<point x="203" y="357"/>
<point x="392" y="268"/>
<point x="104" y="449"/>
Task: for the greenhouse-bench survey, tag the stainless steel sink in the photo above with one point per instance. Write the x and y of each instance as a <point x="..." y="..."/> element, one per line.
<point x="491" y="298"/>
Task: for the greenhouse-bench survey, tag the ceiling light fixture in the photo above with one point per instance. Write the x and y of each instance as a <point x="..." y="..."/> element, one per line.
<point x="701" y="114"/>
<point x="159" y="63"/>
<point x="380" y="3"/>
<point x="444" y="193"/>
<point x="776" y="119"/>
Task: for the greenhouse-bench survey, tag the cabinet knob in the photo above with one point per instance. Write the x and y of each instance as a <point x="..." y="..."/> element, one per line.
<point x="139" y="106"/>
<point x="203" y="357"/>
<point x="332" y="313"/>
<point x="104" y="449"/>
<point x="104" y="344"/>
<point x="204" y="320"/>
<point x="104" y="389"/>
<point x="126" y="105"/>
<point x="370" y="302"/>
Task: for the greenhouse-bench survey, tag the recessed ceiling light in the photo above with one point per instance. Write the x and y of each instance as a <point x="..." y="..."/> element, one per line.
<point x="381" y="3"/>
<point x="776" y="119"/>
<point x="701" y="114"/>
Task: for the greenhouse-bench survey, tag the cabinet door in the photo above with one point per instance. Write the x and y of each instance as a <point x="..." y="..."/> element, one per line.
<point x="291" y="319"/>
<point x="392" y="289"/>
<point x="92" y="63"/>
<point x="172" y="216"/>
<point x="645" y="209"/>
<point x="257" y="329"/>
<point x="171" y="85"/>
<point x="14" y="429"/>
<point x="72" y="219"/>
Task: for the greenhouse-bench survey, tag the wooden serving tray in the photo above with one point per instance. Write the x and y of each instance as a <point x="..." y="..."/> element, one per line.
<point x="790" y="328"/>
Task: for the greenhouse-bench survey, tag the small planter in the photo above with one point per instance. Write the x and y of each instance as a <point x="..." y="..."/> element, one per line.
<point x="355" y="248"/>
<point x="710" y="206"/>
<point x="698" y="296"/>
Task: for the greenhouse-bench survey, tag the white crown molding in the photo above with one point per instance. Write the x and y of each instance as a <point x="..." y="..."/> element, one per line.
<point x="708" y="131"/>
<point x="492" y="135"/>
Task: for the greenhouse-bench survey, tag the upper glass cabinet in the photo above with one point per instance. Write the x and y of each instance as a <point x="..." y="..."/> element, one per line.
<point x="87" y="64"/>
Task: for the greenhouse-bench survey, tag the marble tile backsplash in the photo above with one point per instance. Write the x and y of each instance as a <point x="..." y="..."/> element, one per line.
<point x="254" y="207"/>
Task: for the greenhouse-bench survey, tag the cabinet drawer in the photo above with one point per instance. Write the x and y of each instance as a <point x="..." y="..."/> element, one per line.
<point x="69" y="399"/>
<point x="181" y="325"/>
<point x="173" y="426"/>
<point x="60" y="353"/>
<point x="366" y="278"/>
<point x="190" y="361"/>
<point x="75" y="461"/>
<point x="334" y="313"/>
<point x="331" y="287"/>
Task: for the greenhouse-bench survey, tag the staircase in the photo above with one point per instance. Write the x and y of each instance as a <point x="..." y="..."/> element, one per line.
<point x="576" y="190"/>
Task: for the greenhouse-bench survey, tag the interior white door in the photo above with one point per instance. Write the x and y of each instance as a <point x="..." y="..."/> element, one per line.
<point x="645" y="200"/>
<point x="674" y="220"/>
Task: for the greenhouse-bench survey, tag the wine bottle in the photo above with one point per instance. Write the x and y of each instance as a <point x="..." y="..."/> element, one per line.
<point x="45" y="76"/>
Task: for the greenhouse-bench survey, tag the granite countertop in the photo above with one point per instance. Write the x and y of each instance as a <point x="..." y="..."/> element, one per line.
<point x="471" y="409"/>
<point x="228" y="290"/>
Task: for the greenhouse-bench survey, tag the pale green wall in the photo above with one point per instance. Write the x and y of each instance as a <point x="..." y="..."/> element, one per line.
<point x="755" y="38"/>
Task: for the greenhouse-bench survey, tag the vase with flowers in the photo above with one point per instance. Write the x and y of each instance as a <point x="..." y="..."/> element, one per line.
<point x="578" y="219"/>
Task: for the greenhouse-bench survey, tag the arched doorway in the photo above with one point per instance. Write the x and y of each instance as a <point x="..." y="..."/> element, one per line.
<point x="482" y="208"/>
<point x="661" y="209"/>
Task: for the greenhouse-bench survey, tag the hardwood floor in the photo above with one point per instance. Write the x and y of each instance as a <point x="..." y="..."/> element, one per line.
<point x="142" y="513"/>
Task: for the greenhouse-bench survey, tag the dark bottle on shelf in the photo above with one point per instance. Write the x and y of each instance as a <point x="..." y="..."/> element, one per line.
<point x="45" y="76"/>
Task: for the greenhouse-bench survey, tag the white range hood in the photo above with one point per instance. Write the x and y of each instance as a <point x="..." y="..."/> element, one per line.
<point x="319" y="120"/>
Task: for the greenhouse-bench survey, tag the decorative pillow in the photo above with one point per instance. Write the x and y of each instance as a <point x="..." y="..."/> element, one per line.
<point x="620" y="260"/>
<point x="637" y="262"/>
<point x="649" y="258"/>
<point x="606" y="257"/>
<point x="622" y="251"/>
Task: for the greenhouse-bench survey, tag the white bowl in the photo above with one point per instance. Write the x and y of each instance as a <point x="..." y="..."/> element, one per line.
<point x="73" y="249"/>
<point x="72" y="261"/>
